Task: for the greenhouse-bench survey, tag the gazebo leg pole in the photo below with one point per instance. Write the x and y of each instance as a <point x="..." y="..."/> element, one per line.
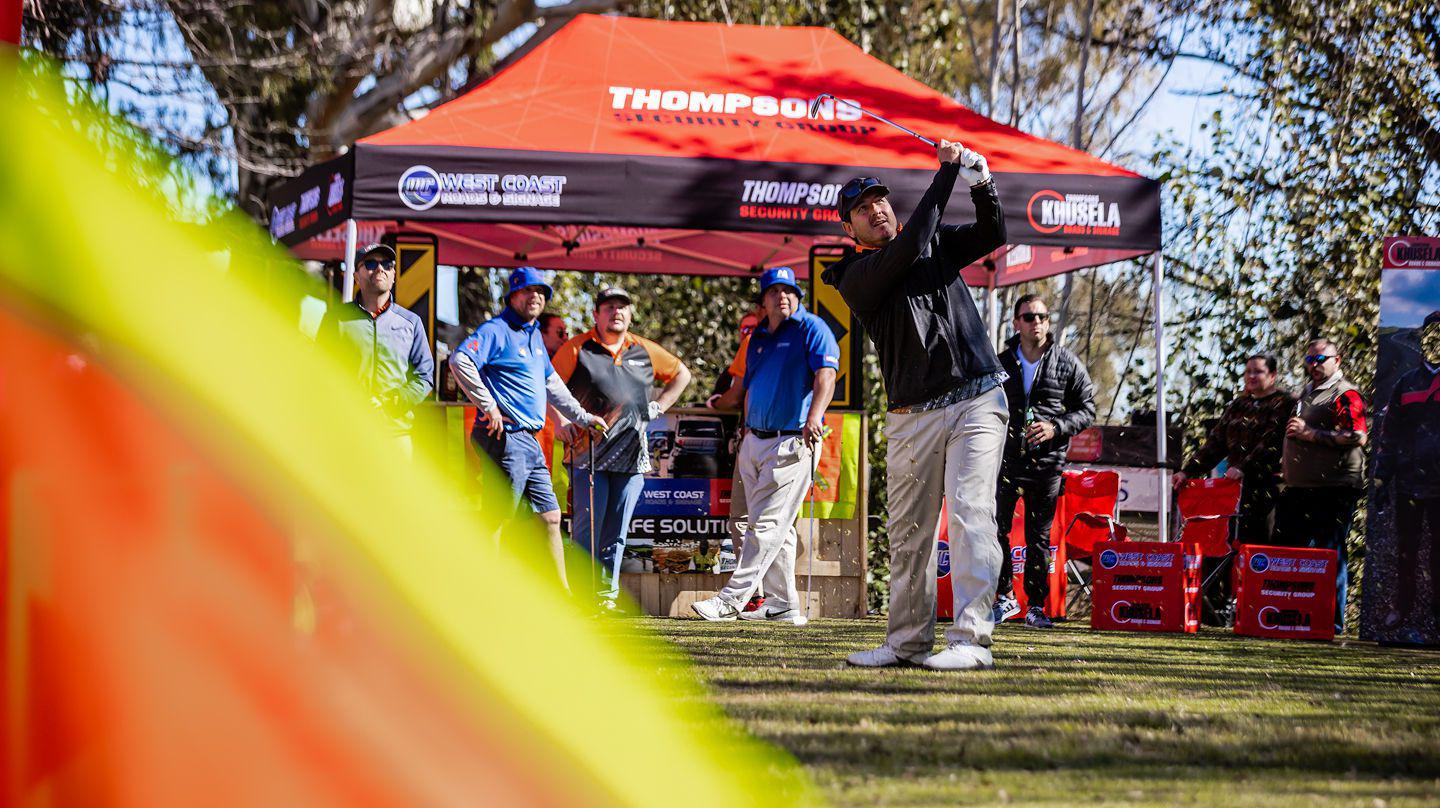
<point x="1161" y="450"/>
<point x="347" y="288"/>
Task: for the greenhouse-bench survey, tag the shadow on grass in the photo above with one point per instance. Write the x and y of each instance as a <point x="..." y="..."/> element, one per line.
<point x="1098" y="706"/>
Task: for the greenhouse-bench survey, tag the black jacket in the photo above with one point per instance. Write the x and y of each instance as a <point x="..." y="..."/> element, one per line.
<point x="1407" y="456"/>
<point x="1061" y="394"/>
<point x="912" y="301"/>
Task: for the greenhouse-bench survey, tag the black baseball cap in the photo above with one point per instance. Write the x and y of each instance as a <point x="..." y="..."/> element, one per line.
<point x="383" y="251"/>
<point x="851" y="192"/>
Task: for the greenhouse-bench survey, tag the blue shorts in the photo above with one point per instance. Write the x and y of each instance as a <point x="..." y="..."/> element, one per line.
<point x="518" y="455"/>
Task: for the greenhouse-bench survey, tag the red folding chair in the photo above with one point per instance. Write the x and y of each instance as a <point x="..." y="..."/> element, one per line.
<point x="1089" y="509"/>
<point x="1207" y="515"/>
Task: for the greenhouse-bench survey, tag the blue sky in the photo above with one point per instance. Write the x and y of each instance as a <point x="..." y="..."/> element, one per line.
<point x="1407" y="296"/>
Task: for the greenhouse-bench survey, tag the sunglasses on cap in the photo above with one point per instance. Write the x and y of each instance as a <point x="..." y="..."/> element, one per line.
<point x="1315" y="359"/>
<point x="373" y="264"/>
<point x="1032" y="316"/>
<point x="857" y="186"/>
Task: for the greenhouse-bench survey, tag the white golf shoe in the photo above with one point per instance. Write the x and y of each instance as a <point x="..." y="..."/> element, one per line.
<point x="881" y="657"/>
<point x="716" y="609"/>
<point x="778" y="614"/>
<point x="961" y="655"/>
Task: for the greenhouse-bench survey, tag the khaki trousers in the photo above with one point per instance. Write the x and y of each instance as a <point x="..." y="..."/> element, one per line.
<point x="950" y="455"/>
<point x="776" y="474"/>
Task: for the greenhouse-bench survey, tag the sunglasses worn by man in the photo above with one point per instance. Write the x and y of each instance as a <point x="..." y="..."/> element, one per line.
<point x="1032" y="316"/>
<point x="1315" y="359"/>
<point x="373" y="264"/>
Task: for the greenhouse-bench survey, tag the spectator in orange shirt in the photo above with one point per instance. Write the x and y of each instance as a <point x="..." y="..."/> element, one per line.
<point x="614" y="372"/>
<point x="553" y="333"/>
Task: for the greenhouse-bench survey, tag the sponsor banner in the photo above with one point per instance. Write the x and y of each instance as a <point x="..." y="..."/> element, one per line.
<point x="663" y="530"/>
<point x="1414" y="252"/>
<point x="450" y="183"/>
<point x="1145" y="586"/>
<point x="1285" y="592"/>
<point x="684" y="506"/>
<point x="1401" y="602"/>
<point x="312" y="203"/>
<point x="674" y="497"/>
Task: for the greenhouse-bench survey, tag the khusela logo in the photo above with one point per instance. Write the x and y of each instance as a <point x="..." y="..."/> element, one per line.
<point x="1123" y="611"/>
<point x="942" y="559"/>
<point x="420" y="188"/>
<point x="1259" y="562"/>
<point x="1402" y="253"/>
<point x="1274" y="618"/>
<point x="1075" y="214"/>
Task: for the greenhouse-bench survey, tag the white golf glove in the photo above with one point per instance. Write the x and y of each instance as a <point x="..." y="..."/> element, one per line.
<point x="973" y="168"/>
<point x="655" y="410"/>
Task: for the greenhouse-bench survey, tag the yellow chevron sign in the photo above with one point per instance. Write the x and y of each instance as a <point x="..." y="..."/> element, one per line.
<point x="416" y="259"/>
<point x="829" y="306"/>
<point x="415" y="264"/>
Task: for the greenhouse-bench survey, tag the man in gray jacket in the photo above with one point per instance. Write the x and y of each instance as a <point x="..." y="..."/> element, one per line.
<point x="387" y="342"/>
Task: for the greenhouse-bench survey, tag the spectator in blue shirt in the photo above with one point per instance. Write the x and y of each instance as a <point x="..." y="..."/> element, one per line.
<point x="790" y="368"/>
<point x="505" y="370"/>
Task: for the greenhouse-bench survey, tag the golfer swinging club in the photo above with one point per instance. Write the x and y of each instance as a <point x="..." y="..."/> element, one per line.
<point x="945" y="429"/>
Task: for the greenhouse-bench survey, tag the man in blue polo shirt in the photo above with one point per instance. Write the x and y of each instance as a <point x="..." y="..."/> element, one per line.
<point x="505" y="370"/>
<point x="790" y="368"/>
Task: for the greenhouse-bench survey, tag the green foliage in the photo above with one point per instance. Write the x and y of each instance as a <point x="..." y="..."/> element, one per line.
<point x="1276" y="222"/>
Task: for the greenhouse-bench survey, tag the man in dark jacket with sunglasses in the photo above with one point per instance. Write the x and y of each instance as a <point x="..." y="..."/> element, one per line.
<point x="1051" y="400"/>
<point x="946" y="422"/>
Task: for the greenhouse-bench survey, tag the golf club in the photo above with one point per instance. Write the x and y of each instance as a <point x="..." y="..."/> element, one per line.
<point x="815" y="111"/>
<point x="590" y="463"/>
<point x="810" y="545"/>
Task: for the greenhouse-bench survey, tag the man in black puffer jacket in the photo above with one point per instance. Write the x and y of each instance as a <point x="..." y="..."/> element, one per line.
<point x="946" y="422"/>
<point x="1051" y="400"/>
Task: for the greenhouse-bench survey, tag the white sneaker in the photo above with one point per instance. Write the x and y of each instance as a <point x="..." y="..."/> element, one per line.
<point x="961" y="655"/>
<point x="779" y="614"/>
<point x="716" y="609"/>
<point x="1005" y="608"/>
<point x="881" y="657"/>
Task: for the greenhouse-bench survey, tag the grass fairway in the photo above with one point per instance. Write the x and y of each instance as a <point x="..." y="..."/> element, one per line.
<point x="1074" y="716"/>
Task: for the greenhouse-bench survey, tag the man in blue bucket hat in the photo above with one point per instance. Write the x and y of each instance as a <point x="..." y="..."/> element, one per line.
<point x="505" y="371"/>
<point x="790" y="368"/>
